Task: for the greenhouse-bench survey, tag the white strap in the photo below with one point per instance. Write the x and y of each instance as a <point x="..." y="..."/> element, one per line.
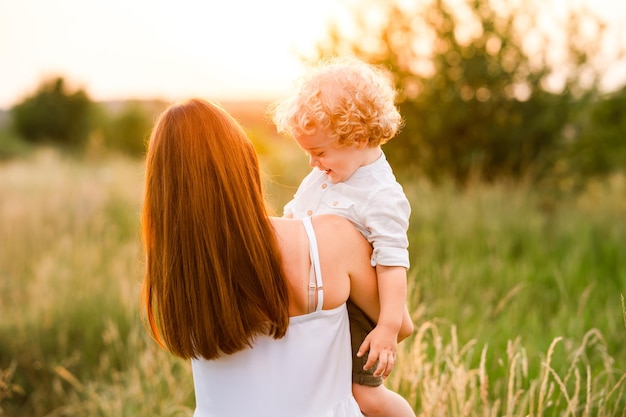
<point x="315" y="277"/>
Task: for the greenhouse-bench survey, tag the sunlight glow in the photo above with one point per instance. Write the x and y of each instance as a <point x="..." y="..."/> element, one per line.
<point x="238" y="49"/>
<point x="158" y="49"/>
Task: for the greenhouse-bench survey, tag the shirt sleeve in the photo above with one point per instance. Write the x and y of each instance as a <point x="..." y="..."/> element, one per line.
<point x="288" y="208"/>
<point x="387" y="221"/>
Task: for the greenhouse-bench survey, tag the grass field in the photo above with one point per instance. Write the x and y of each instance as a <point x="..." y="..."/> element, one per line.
<point x="516" y="296"/>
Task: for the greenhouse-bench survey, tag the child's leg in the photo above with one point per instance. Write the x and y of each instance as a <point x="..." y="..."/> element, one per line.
<point x="373" y="397"/>
<point x="381" y="402"/>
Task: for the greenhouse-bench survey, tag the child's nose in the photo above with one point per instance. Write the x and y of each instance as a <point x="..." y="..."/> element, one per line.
<point x="312" y="161"/>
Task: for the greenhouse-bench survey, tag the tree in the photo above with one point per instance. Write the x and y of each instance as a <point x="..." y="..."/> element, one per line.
<point x="481" y="90"/>
<point x="54" y="115"/>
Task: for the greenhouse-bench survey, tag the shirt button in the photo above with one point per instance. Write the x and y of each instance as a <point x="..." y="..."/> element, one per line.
<point x="324" y="186"/>
<point x="335" y="203"/>
<point x="309" y="212"/>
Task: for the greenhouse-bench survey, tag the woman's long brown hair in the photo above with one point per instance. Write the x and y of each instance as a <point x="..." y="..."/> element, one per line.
<point x="213" y="277"/>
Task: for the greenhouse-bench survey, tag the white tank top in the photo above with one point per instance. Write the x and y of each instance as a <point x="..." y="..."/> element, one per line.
<point x="307" y="373"/>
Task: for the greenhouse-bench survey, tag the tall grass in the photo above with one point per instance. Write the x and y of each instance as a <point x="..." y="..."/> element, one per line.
<point x="515" y="296"/>
<point x="71" y="267"/>
<point x="504" y="262"/>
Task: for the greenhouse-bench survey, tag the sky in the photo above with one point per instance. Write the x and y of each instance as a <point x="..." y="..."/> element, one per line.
<point x="217" y="49"/>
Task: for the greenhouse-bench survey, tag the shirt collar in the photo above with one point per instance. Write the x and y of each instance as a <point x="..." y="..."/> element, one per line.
<point x="370" y="168"/>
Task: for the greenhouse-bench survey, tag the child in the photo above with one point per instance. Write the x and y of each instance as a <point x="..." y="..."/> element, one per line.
<point x="341" y="114"/>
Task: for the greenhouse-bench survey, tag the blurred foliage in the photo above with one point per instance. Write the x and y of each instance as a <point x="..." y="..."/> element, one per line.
<point x="600" y="145"/>
<point x="487" y="89"/>
<point x="11" y="144"/>
<point x="128" y="129"/>
<point x="54" y="115"/>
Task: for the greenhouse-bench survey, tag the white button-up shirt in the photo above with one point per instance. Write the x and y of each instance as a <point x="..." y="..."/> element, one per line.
<point x="371" y="199"/>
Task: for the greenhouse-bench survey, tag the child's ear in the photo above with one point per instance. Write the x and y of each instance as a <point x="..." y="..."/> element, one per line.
<point x="362" y="143"/>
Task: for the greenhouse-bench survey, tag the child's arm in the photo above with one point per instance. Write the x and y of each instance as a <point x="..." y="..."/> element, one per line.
<point x="392" y="323"/>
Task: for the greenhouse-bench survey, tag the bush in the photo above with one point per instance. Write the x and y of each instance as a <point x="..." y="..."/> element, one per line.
<point x="600" y="148"/>
<point x="54" y="115"/>
<point x="128" y="131"/>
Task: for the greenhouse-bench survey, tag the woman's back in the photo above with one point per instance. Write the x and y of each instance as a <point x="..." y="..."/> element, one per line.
<point x="306" y="373"/>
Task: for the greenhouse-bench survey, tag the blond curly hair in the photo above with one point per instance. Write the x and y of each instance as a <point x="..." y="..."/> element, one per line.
<point x="351" y="100"/>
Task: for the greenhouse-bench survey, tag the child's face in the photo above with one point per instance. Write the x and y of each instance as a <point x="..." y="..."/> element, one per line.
<point x="338" y="162"/>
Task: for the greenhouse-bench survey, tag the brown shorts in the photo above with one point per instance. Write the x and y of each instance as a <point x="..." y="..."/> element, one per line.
<point x="360" y="326"/>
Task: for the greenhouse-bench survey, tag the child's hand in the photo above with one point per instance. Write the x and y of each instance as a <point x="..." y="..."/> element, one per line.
<point x="381" y="343"/>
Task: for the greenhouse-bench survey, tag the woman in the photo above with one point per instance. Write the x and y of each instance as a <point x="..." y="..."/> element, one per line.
<point x="257" y="303"/>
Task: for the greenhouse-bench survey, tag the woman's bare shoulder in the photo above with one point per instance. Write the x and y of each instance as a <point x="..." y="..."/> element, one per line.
<point x="331" y="230"/>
